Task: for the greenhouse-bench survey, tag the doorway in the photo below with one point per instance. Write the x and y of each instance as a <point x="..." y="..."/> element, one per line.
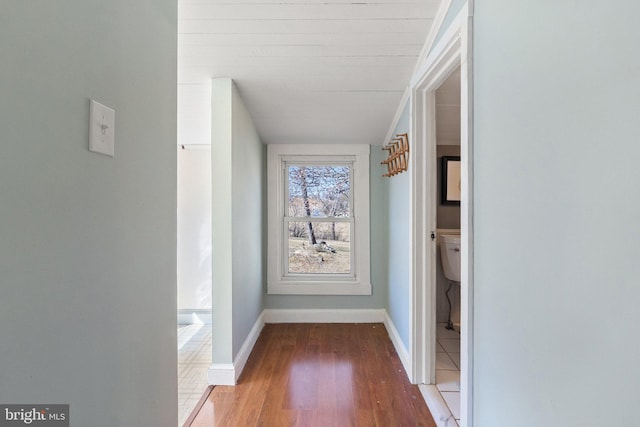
<point x="447" y="242"/>
<point x="193" y="275"/>
<point x="452" y="53"/>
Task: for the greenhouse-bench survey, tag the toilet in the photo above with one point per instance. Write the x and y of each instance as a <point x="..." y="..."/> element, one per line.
<point x="450" y="256"/>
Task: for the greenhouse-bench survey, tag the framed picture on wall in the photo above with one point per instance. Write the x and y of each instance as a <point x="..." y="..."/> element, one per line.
<point x="450" y="181"/>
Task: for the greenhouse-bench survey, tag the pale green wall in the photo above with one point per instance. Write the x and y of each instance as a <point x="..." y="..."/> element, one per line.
<point x="379" y="223"/>
<point x="249" y="221"/>
<point x="556" y="209"/>
<point x="398" y="226"/>
<point x="222" y="219"/>
<point x="454" y="8"/>
<point x="88" y="242"/>
<point x="238" y="221"/>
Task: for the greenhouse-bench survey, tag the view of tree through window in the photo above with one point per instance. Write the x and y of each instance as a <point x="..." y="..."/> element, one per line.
<point x="319" y="219"/>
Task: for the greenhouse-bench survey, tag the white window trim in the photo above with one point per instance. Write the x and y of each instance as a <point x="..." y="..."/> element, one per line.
<point x="277" y="281"/>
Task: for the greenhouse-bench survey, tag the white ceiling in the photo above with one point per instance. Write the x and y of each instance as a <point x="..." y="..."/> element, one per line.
<point x="326" y="71"/>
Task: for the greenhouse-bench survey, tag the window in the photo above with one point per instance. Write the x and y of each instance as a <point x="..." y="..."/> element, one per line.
<point x="318" y="219"/>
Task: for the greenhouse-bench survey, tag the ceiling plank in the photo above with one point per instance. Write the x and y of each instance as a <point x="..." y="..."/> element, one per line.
<point x="397" y="3"/>
<point x="334" y="78"/>
<point x="308" y="51"/>
<point x="282" y="26"/>
<point x="269" y="71"/>
<point x="290" y="39"/>
<point x="311" y="12"/>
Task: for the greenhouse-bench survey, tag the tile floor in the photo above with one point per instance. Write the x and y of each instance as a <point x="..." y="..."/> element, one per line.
<point x="194" y="360"/>
<point x="448" y="367"/>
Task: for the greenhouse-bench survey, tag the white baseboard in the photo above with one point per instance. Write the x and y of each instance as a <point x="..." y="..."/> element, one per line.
<point x="194" y="316"/>
<point x="221" y="374"/>
<point x="402" y="351"/>
<point x="324" y="316"/>
<point x="228" y="373"/>
<point x="245" y="351"/>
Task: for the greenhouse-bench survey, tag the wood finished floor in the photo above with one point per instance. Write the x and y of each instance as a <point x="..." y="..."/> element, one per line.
<point x="319" y="375"/>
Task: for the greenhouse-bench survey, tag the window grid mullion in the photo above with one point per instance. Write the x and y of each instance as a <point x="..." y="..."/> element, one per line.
<point x="287" y="219"/>
<point x="317" y="219"/>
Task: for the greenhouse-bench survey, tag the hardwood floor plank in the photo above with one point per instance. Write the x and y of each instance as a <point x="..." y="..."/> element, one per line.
<point x="321" y="375"/>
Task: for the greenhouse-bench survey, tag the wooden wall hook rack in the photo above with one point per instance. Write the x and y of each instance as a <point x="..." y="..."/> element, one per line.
<point x="397" y="160"/>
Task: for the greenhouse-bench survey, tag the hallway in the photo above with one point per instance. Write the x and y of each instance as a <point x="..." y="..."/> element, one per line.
<point x="319" y="375"/>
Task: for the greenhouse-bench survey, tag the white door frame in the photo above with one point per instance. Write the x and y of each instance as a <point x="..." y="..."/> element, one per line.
<point x="452" y="51"/>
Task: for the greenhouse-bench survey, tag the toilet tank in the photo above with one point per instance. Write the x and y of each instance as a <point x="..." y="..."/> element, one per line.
<point x="450" y="256"/>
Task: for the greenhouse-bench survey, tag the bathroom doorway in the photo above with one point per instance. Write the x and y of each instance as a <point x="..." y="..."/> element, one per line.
<point x="447" y="242"/>
<point x="448" y="64"/>
<point x="193" y="275"/>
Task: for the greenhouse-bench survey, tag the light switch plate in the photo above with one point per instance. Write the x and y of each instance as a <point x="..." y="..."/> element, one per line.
<point x="102" y="122"/>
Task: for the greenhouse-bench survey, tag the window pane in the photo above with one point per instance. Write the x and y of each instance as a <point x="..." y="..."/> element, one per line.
<point x="319" y="191"/>
<point x="331" y="253"/>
